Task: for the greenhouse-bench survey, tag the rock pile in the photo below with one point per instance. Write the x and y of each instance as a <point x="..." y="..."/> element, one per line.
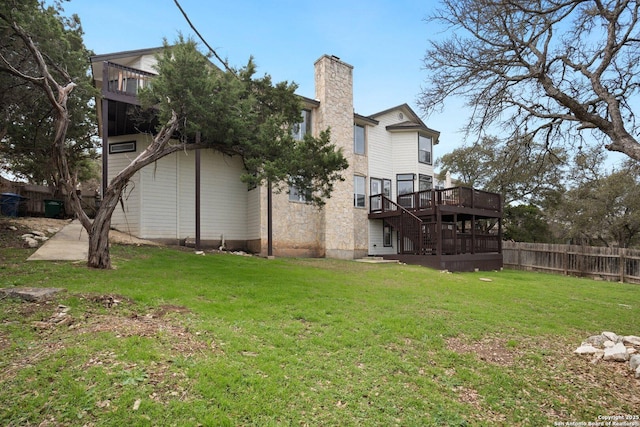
<point x="34" y="238"/>
<point x="609" y="346"/>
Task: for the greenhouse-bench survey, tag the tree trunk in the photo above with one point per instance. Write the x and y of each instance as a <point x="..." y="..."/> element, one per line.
<point x="99" y="256"/>
<point x="98" y="231"/>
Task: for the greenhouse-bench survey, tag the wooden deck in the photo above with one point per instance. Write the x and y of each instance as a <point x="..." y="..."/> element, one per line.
<point x="455" y="229"/>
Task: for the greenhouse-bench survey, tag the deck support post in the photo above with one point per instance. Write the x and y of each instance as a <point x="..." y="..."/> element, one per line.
<point x="197" y="189"/>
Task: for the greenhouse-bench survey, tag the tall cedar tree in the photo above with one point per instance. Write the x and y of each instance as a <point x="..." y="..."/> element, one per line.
<point x="26" y="114"/>
<point x="234" y="112"/>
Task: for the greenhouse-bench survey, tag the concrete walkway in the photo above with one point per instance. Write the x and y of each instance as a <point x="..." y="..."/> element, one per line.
<point x="69" y="244"/>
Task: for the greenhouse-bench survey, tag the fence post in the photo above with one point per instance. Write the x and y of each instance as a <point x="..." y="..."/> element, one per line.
<point x="622" y="264"/>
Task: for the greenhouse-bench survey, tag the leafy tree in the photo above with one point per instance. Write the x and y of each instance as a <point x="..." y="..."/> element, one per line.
<point x="551" y="69"/>
<point x="602" y="210"/>
<point x="519" y="170"/>
<point x="526" y="223"/>
<point x="26" y="114"/>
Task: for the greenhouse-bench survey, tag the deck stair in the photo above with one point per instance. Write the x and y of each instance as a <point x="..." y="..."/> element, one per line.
<point x="457" y="229"/>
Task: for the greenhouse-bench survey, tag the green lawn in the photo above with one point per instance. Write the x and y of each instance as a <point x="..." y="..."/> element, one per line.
<point x="230" y="340"/>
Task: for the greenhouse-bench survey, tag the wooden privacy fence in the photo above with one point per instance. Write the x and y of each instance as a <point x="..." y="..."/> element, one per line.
<point x="612" y="264"/>
<point x="35" y="197"/>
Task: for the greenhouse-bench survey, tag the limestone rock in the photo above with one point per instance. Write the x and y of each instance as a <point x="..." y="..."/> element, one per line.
<point x="616" y="353"/>
<point x="31" y="242"/>
<point x="608" y="344"/>
<point x="611" y="336"/>
<point x="38" y="233"/>
<point x="596" y="340"/>
<point x="634" y="362"/>
<point x="52" y="230"/>
<point x="31" y="294"/>
<point x="27" y="235"/>
<point x="12" y="228"/>
<point x="631" y="339"/>
<point x="586" y="349"/>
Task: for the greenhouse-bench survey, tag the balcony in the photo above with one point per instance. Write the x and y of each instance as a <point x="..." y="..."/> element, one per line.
<point x="120" y="83"/>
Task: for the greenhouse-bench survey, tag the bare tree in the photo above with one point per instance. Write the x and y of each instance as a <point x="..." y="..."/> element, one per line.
<point x="553" y="69"/>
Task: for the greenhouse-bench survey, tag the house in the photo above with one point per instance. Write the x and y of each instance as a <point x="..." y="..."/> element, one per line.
<point x="389" y="179"/>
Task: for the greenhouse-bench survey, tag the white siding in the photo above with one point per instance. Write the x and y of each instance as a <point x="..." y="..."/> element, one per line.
<point x="127" y="219"/>
<point x="405" y="154"/>
<point x="380" y="152"/>
<point x="144" y="63"/>
<point x="224" y="197"/>
<point x="253" y="214"/>
<point x="223" y="203"/>
<point x="391" y="153"/>
<point x="376" y="242"/>
<point x="159" y="197"/>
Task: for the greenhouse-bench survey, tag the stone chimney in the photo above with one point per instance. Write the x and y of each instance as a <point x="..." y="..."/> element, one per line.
<point x="334" y="90"/>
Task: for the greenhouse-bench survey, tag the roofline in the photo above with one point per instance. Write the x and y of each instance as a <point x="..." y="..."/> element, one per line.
<point x="124" y="54"/>
<point x="414" y="116"/>
<point x="309" y="101"/>
<point x="366" y="119"/>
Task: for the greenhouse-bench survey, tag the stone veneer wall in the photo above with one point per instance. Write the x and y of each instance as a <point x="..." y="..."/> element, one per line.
<point x="338" y="230"/>
<point x="334" y="90"/>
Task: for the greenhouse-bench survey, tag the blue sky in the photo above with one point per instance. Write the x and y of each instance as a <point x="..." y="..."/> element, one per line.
<point x="384" y="40"/>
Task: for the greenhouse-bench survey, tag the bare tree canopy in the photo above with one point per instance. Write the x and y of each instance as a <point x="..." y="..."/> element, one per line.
<point x="553" y="69"/>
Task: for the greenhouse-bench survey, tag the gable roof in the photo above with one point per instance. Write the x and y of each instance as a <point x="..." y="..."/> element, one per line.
<point x="124" y="56"/>
<point x="412" y="121"/>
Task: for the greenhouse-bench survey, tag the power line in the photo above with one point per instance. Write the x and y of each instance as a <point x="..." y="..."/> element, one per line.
<point x="212" y="50"/>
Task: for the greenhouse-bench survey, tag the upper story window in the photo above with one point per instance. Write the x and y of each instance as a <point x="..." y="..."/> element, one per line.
<point x="424" y="149"/>
<point x="358" y="139"/>
<point x="304" y="127"/>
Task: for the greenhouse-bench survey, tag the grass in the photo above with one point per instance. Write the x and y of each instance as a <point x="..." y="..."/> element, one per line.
<point x="228" y="340"/>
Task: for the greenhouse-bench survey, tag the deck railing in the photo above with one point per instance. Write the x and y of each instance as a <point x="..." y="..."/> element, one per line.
<point x="416" y="237"/>
<point x="427" y="199"/>
<point x="120" y="82"/>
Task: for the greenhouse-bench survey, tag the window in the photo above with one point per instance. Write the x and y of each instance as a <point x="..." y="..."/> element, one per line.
<point x="295" y="195"/>
<point x="304" y="127"/>
<point x="359" y="191"/>
<point x="376" y="190"/>
<point x="405" y="183"/>
<point x="405" y="188"/>
<point x="425" y="182"/>
<point x="376" y="186"/>
<point x="122" y="147"/>
<point x="379" y="187"/>
<point x="386" y="190"/>
<point x="424" y="149"/>
<point x="386" y="236"/>
<point x="358" y="139"/>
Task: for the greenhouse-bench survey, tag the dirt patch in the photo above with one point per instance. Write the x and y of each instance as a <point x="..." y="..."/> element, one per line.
<point x="12" y="229"/>
<point x="120" y="238"/>
<point x="492" y="350"/>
